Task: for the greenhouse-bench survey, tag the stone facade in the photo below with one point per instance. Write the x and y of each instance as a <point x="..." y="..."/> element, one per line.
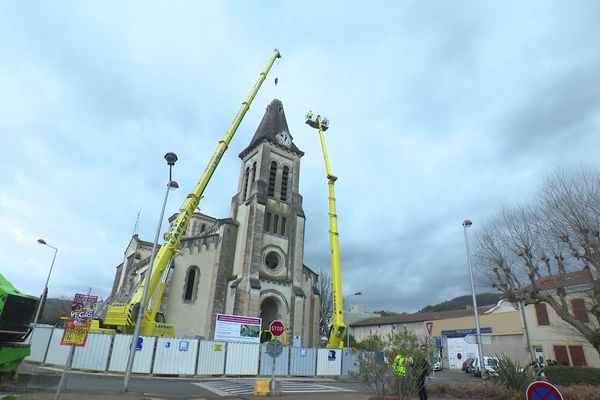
<point x="250" y="264"/>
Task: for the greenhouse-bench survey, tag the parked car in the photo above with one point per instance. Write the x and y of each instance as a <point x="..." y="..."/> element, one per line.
<point x="437" y="365"/>
<point x="467" y="364"/>
<point x="489" y="367"/>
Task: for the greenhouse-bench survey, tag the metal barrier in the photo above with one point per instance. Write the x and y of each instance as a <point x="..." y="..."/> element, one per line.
<point x="39" y="340"/>
<point x="142" y="363"/>
<point x="303" y="361"/>
<point x="94" y="356"/>
<point x="242" y="359"/>
<point x="56" y="354"/>
<point x="281" y="362"/>
<point x="349" y="362"/>
<point x="211" y="358"/>
<point x="329" y="362"/>
<point x="175" y="356"/>
<point x="188" y="356"/>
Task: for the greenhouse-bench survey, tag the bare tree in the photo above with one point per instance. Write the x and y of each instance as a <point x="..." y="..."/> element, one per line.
<point x="326" y="304"/>
<point x="556" y="236"/>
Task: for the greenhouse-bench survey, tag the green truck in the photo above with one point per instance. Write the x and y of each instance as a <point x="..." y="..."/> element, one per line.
<point x="16" y="314"/>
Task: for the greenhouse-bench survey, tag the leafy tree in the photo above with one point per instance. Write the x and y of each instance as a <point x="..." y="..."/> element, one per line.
<point x="556" y="236"/>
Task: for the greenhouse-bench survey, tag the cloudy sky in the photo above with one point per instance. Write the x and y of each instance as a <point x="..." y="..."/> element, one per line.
<point x="439" y="110"/>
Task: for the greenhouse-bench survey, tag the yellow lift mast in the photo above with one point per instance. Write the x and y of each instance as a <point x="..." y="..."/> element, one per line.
<point x="122" y="314"/>
<point x="338" y="327"/>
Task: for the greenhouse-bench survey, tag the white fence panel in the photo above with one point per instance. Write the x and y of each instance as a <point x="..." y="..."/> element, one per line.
<point x="142" y="363"/>
<point x="39" y="340"/>
<point x="303" y="362"/>
<point x="57" y="354"/>
<point x="242" y="359"/>
<point x="94" y="356"/>
<point x="349" y="362"/>
<point x="329" y="362"/>
<point x="211" y="358"/>
<point x="175" y="356"/>
<point x="281" y="362"/>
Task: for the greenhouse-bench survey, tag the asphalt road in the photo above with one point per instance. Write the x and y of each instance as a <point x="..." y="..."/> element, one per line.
<point x="101" y="386"/>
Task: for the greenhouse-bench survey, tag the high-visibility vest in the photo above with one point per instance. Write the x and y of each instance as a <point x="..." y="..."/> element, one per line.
<point x="398" y="366"/>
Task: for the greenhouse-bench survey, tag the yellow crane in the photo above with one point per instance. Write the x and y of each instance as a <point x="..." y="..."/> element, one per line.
<point x="123" y="314"/>
<point x="338" y="327"/>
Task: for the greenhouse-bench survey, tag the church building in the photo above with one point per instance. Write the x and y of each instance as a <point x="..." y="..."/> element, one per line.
<point x="250" y="264"/>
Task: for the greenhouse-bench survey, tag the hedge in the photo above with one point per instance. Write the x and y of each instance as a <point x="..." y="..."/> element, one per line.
<point x="567" y="376"/>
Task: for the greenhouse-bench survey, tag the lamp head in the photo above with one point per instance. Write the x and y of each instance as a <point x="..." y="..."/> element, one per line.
<point x="173" y="185"/>
<point x="41" y="241"/>
<point x="467" y="223"/>
<point x="171" y="158"/>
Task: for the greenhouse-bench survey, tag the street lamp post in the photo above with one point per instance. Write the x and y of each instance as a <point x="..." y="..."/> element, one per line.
<point x="348" y="331"/>
<point x="466" y="224"/>
<point x="171" y="159"/>
<point x="44" y="295"/>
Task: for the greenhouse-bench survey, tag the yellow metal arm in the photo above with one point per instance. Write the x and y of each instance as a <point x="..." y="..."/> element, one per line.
<point x="173" y="236"/>
<point x="338" y="329"/>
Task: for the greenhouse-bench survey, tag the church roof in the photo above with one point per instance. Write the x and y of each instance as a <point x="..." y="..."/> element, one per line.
<point x="272" y="123"/>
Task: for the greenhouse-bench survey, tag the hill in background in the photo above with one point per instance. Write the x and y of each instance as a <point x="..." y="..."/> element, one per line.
<point x="460" y="303"/>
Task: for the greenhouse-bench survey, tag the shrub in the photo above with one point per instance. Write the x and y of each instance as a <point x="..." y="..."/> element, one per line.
<point x="560" y="375"/>
<point x="473" y="391"/>
<point x="511" y="375"/>
<point x="374" y="369"/>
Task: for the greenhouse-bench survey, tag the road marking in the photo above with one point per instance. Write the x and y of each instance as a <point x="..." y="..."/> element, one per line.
<point x="245" y="386"/>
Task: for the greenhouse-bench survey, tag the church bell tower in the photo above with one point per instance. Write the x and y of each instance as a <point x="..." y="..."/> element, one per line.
<point x="268" y="274"/>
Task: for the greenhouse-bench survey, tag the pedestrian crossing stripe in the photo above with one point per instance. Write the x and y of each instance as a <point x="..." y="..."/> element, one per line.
<point x="245" y="386"/>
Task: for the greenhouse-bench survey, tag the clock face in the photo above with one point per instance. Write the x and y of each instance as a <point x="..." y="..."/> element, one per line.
<point x="284" y="138"/>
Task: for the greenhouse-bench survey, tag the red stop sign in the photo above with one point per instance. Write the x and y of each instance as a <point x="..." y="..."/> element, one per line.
<point x="276" y="328"/>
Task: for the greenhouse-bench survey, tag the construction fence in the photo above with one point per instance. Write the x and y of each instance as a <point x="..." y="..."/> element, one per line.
<point x="187" y="356"/>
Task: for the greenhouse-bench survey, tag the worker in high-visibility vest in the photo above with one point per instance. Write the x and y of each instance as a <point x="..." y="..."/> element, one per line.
<point x="399" y="366"/>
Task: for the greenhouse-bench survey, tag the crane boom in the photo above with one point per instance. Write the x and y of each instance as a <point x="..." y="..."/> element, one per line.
<point x="338" y="328"/>
<point x="121" y="314"/>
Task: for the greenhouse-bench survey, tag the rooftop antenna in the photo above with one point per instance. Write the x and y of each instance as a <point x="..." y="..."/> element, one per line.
<point x="137" y="223"/>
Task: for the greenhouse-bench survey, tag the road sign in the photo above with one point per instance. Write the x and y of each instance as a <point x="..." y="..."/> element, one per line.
<point x="541" y="390"/>
<point x="429" y="326"/>
<point x="276" y="328"/>
<point x="274" y="348"/>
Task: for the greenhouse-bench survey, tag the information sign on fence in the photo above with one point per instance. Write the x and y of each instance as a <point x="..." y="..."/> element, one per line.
<point x="237" y="328"/>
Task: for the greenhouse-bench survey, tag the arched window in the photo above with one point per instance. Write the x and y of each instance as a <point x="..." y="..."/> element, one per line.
<point x="267" y="222"/>
<point x="190" y="290"/>
<point x="272" y="177"/>
<point x="284" y="183"/>
<point x="275" y="223"/>
<point x="202" y="228"/>
<point x="245" y="189"/>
